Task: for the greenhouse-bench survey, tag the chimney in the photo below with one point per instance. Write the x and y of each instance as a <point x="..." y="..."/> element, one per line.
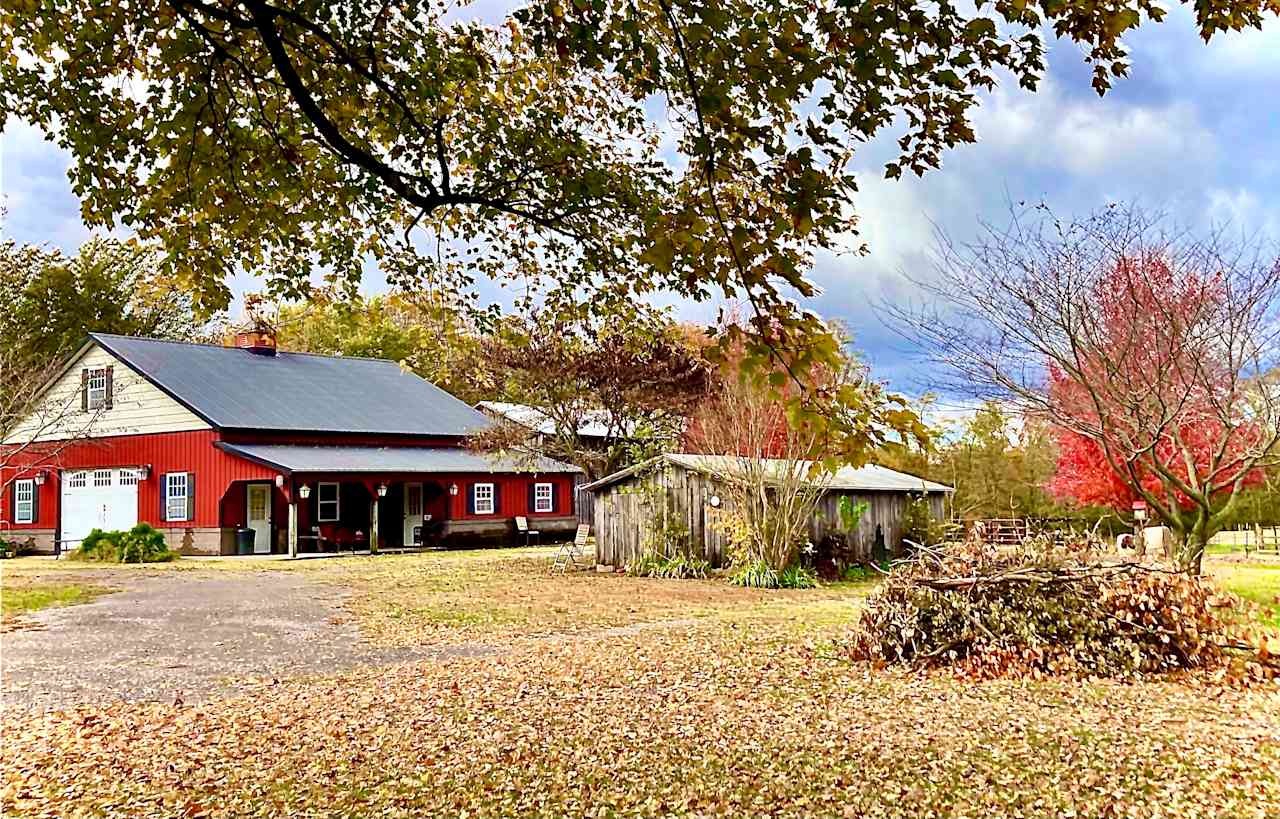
<point x="259" y="342"/>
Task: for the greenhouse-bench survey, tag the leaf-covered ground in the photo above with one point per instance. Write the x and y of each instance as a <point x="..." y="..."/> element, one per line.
<point x="645" y="698"/>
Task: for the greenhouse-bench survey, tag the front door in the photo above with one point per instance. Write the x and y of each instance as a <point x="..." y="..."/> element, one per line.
<point x="258" y="516"/>
<point x="413" y="520"/>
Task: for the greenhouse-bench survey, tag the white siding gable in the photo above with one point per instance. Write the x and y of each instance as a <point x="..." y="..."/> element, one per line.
<point x="137" y="407"/>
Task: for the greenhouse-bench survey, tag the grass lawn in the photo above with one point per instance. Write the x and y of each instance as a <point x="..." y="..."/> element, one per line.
<point x="1256" y="582"/>
<point x="617" y="696"/>
<point x="23" y="592"/>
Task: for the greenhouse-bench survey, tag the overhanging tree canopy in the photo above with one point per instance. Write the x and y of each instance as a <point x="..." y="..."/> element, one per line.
<point x="279" y="136"/>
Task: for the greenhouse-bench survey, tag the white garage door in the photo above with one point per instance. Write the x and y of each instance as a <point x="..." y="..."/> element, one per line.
<point x="105" y="499"/>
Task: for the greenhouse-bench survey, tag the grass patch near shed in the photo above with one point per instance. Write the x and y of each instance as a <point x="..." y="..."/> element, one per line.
<point x="443" y="598"/>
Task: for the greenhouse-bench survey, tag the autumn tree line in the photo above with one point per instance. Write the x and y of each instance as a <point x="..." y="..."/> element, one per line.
<point x="1117" y="359"/>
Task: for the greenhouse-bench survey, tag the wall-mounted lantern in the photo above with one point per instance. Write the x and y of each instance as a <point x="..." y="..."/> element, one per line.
<point x="144" y="472"/>
<point x="279" y="481"/>
<point x="382" y="490"/>
<point x="41" y="477"/>
<point x="453" y="489"/>
<point x="304" y="491"/>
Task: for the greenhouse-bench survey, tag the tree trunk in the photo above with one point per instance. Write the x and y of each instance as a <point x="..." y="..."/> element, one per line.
<point x="1191" y="555"/>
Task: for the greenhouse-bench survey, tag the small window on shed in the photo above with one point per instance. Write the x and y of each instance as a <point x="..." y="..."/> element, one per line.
<point x="543" y="497"/>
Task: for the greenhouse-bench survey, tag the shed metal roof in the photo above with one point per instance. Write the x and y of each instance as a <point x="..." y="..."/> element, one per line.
<point x="594" y="424"/>
<point x="232" y="388"/>
<point x="403" y="459"/>
<point x="868" y="478"/>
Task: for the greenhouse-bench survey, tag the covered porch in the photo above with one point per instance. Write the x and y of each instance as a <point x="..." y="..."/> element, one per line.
<point x="328" y="499"/>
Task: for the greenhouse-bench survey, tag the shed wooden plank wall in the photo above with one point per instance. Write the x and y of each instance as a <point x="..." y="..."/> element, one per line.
<point x="622" y="516"/>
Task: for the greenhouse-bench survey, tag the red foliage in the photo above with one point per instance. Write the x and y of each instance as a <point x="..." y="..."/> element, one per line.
<point x="1150" y="380"/>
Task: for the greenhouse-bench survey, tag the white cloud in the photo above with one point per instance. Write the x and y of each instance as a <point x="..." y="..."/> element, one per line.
<point x="1089" y="136"/>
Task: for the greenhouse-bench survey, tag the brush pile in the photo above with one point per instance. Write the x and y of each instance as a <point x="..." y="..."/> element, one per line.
<point x="1044" y="609"/>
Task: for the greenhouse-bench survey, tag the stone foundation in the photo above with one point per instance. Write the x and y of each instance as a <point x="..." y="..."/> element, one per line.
<point x="38" y="541"/>
<point x="198" y="540"/>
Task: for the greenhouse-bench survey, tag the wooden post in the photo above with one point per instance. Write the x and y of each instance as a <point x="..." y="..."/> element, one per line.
<point x="373" y="526"/>
<point x="293" y="527"/>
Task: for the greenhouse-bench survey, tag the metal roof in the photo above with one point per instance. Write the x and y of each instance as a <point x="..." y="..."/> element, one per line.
<point x="298" y="392"/>
<point x="594" y="423"/>
<point x="404" y="459"/>
<point x="868" y="478"/>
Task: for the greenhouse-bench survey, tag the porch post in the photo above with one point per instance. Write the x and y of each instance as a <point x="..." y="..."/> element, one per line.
<point x="293" y="526"/>
<point x="373" y="526"/>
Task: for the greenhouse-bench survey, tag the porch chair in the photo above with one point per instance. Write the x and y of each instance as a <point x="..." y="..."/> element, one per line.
<point x="522" y="528"/>
<point x="572" y="550"/>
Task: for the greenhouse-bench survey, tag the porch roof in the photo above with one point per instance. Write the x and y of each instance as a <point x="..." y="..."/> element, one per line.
<point x="291" y="458"/>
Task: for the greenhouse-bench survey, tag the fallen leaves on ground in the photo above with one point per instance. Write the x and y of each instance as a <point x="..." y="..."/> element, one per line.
<point x="709" y="719"/>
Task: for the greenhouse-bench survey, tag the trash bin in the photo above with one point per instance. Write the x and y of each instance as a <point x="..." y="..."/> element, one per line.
<point x="244" y="541"/>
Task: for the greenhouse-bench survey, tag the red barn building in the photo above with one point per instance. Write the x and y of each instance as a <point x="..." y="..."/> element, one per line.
<point x="309" y="452"/>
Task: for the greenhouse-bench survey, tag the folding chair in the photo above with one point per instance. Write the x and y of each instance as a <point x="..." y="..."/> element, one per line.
<point x="522" y="528"/>
<point x="571" y="551"/>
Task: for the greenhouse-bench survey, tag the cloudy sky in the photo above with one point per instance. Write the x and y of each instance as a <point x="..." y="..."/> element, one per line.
<point x="1193" y="130"/>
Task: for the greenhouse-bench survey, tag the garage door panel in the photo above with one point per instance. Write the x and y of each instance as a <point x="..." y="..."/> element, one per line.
<point x="104" y="499"/>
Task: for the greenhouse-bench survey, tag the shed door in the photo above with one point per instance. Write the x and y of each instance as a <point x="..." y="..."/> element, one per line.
<point x="105" y="499"/>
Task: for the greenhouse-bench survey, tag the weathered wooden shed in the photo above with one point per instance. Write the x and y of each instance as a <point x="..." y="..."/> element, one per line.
<point x="690" y="488"/>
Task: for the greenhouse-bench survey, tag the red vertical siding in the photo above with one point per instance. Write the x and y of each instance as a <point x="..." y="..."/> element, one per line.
<point x="193" y="451"/>
<point x="216" y="472"/>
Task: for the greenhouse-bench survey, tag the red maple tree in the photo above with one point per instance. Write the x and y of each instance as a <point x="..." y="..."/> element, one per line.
<point x="1151" y="407"/>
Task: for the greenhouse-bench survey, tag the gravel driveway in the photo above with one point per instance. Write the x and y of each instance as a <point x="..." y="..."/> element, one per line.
<point x="188" y="636"/>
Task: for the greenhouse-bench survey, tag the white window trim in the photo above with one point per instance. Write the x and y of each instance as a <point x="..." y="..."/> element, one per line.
<point x="543" y="503"/>
<point x="320" y="502"/>
<point x="98" y="374"/>
<point x="171" y="482"/>
<point x="30" y="503"/>
<point x="491" y="507"/>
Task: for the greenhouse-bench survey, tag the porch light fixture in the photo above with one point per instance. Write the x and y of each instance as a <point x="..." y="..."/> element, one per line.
<point x="714" y="500"/>
<point x="279" y="481"/>
<point x="41" y="477"/>
<point x="453" y="489"/>
<point x="304" y="491"/>
<point x="144" y="472"/>
<point x="382" y="490"/>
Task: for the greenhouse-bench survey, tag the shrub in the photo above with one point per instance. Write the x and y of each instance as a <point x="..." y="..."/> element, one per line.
<point x="759" y="575"/>
<point x="676" y="567"/>
<point x="141" y="544"/>
<point x="1041" y="610"/>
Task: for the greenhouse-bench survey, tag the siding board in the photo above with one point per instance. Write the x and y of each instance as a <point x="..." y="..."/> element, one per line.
<point x="621" y="519"/>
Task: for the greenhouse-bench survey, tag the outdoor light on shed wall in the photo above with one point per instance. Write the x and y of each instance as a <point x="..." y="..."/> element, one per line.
<point x="453" y="489"/>
<point x="382" y="490"/>
<point x="144" y="472"/>
<point x="279" y="481"/>
<point x="714" y="500"/>
<point x="304" y="491"/>
<point x="41" y="477"/>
